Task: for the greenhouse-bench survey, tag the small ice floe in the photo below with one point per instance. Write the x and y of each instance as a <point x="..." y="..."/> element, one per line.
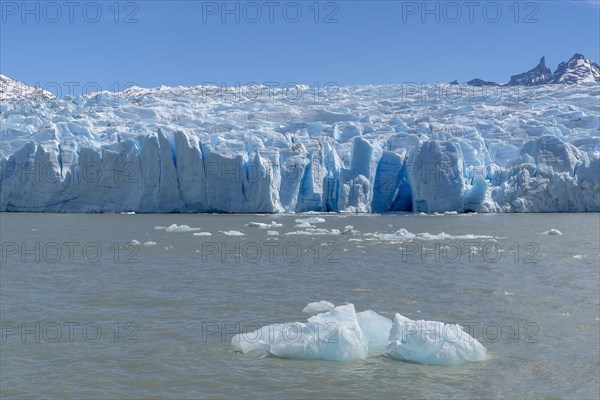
<point x="450" y="212"/>
<point x="149" y="244"/>
<point x="508" y="294"/>
<point x="565" y="314"/>
<point x="318" y="307"/>
<point x="311" y="220"/>
<point x="202" y="234"/>
<point x="134" y="243"/>
<point x="180" y="228"/>
<point x="232" y="233"/>
<point x="349" y="230"/>
<point x="304" y="225"/>
<point x="552" y="232"/>
<point x="262" y="225"/>
<point x="272" y="233"/>
<point x="128" y="212"/>
<point x="578" y="256"/>
<point x="403" y="234"/>
<point x="315" y="231"/>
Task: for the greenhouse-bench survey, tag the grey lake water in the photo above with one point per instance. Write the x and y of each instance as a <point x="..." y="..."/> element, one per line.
<point x="86" y="314"/>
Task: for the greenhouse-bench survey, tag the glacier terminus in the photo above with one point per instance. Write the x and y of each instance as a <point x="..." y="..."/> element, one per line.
<point x="297" y="148"/>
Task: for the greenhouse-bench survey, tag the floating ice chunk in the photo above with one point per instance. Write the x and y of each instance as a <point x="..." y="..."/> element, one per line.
<point x="376" y="329"/>
<point x="318" y="307"/>
<point x="334" y="335"/>
<point x="462" y="237"/>
<point x="149" y="244"/>
<point x="232" y="233"/>
<point x="257" y="224"/>
<point x="311" y="220"/>
<point x="553" y="232"/>
<point x="429" y="236"/>
<point x="400" y="234"/>
<point x="349" y="230"/>
<point x="272" y="233"/>
<point x="262" y="225"/>
<point x="403" y="233"/>
<point x="180" y="228"/>
<point x="315" y="231"/>
<point x="202" y="234"/>
<point x="341" y="334"/>
<point x="304" y="225"/>
<point x="432" y="342"/>
<point x="134" y="243"/>
<point x="161" y="228"/>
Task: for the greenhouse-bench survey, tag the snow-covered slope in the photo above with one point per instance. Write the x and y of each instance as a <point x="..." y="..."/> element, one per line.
<point x="12" y="89"/>
<point x="255" y="149"/>
<point x="577" y="70"/>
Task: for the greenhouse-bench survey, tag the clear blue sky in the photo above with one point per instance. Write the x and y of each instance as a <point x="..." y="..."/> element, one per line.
<point x="188" y="43"/>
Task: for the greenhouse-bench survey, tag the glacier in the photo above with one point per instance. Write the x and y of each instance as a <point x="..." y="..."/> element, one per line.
<point x="342" y="334"/>
<point x="371" y="148"/>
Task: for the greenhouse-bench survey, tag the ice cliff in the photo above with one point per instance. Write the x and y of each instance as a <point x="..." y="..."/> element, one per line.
<point x="409" y="147"/>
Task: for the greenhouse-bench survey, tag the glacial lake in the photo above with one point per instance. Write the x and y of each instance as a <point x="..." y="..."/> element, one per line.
<point x="87" y="314"/>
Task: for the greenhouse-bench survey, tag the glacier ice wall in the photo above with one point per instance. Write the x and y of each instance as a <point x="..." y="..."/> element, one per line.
<point x="366" y="149"/>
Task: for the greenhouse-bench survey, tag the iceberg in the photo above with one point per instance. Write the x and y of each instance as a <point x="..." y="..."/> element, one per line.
<point x="180" y="228"/>
<point x="263" y="225"/>
<point x="341" y="334"/>
<point x="433" y="342"/>
<point x="334" y="335"/>
<point x="311" y="220"/>
<point x="232" y="233"/>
